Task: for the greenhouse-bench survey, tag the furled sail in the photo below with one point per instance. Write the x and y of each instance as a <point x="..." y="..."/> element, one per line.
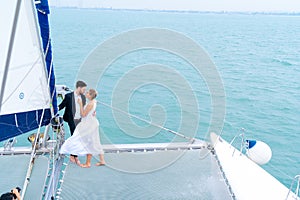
<point x="24" y="96"/>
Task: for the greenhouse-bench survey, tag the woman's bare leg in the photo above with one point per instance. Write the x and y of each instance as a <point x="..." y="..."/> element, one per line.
<point x="88" y="161"/>
<point x="102" y="161"/>
<point x="72" y="159"/>
<point x="77" y="160"/>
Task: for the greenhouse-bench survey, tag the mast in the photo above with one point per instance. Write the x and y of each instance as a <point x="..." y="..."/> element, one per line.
<point x="10" y="47"/>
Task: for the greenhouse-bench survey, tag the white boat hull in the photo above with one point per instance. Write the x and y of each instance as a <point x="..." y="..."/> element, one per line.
<point x="248" y="180"/>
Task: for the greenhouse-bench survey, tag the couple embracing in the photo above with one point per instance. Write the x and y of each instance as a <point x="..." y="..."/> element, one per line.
<point x="83" y="124"/>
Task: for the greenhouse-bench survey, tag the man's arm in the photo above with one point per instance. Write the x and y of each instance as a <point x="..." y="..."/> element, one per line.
<point x="63" y="103"/>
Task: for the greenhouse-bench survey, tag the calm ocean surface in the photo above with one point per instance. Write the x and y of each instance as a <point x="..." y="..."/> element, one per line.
<point x="257" y="57"/>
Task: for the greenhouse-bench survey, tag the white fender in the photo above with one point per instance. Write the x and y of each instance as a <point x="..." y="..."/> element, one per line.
<point x="259" y="152"/>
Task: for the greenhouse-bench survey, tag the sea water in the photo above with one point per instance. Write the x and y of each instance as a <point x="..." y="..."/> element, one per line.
<point x="256" y="55"/>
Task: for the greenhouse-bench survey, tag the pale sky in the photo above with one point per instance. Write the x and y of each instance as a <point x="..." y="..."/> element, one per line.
<point x="194" y="5"/>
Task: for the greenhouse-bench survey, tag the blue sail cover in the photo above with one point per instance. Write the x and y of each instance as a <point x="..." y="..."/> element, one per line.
<point x="16" y="124"/>
<point x="43" y="11"/>
<point x="26" y="97"/>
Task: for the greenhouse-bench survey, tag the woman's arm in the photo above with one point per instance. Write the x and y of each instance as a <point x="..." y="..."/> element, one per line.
<point x="84" y="112"/>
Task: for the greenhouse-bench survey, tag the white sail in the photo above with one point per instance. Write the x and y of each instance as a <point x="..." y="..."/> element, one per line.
<point x="24" y="92"/>
<point x="26" y="86"/>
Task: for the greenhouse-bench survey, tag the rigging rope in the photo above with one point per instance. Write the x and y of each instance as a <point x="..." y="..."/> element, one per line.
<point x="32" y="157"/>
<point x="148" y="122"/>
<point x="33" y="153"/>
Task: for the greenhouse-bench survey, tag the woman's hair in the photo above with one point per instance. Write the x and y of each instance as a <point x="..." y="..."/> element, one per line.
<point x="93" y="93"/>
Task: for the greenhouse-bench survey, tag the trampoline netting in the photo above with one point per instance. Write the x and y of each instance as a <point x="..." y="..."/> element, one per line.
<point x="190" y="176"/>
<point x="13" y="170"/>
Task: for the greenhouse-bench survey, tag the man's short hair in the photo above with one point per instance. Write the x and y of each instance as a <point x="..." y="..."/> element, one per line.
<point x="80" y="84"/>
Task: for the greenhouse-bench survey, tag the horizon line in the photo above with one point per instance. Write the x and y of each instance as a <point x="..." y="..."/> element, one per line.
<point x="295" y="13"/>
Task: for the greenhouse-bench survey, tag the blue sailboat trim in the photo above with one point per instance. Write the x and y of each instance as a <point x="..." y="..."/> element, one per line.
<point x="44" y="6"/>
<point x="12" y="125"/>
<point x="42" y="13"/>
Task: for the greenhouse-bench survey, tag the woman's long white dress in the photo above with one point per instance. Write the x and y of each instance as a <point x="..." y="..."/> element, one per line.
<point x="85" y="139"/>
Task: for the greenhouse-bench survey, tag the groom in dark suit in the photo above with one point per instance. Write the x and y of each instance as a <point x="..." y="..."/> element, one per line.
<point x="72" y="109"/>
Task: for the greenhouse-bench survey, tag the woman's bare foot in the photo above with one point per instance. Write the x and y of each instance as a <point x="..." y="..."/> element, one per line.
<point x="100" y="163"/>
<point x="85" y="165"/>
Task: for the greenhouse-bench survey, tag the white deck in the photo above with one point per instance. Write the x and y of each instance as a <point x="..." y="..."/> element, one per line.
<point x="115" y="147"/>
<point x="248" y="180"/>
<point x="197" y="144"/>
<point x="28" y="149"/>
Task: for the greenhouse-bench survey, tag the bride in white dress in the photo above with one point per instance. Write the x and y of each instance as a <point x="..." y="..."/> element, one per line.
<point x="86" y="140"/>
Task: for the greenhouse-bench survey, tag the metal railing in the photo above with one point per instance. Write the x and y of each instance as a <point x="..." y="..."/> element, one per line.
<point x="296" y="178"/>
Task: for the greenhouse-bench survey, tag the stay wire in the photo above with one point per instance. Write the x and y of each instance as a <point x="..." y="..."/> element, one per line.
<point x="191" y="139"/>
<point x="33" y="153"/>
